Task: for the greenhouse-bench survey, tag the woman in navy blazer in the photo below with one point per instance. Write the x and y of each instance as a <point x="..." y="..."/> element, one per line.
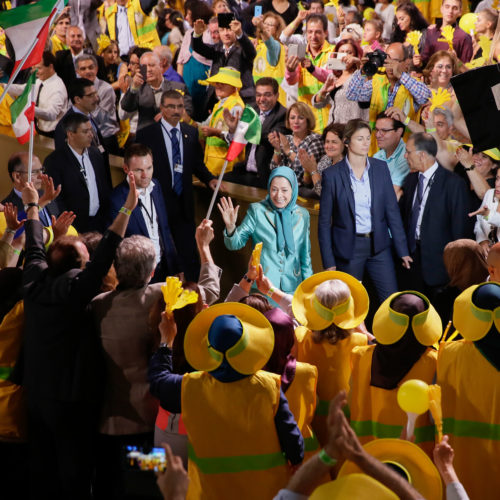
<point x="358" y="214"/>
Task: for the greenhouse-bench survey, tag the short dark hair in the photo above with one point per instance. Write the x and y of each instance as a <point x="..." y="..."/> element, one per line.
<point x="72" y="121"/>
<point x="352" y="126"/>
<point x="171" y="94"/>
<point x="48" y="58"/>
<point x="14" y="162"/>
<point x="138" y="51"/>
<point x="199" y="10"/>
<point x="63" y="255"/>
<point x="318" y="18"/>
<point x="317" y="1"/>
<point x="268" y="81"/>
<point x="396" y="124"/>
<point x="425" y="142"/>
<point x="77" y="88"/>
<point x="338" y="130"/>
<point x="136" y="149"/>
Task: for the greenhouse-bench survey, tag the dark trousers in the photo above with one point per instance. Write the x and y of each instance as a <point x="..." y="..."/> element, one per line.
<point x="379" y="267"/>
<point x="61" y="439"/>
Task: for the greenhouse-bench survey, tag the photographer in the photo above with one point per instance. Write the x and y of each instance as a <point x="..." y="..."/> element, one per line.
<point x="395" y="87"/>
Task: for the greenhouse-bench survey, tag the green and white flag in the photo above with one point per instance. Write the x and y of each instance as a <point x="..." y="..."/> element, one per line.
<point x="22" y="111"/>
<point x="248" y="130"/>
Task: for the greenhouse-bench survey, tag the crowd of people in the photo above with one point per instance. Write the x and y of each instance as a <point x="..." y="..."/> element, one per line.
<point x="115" y="334"/>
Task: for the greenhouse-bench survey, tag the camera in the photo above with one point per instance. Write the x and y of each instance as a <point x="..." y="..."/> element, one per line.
<point x="375" y="61"/>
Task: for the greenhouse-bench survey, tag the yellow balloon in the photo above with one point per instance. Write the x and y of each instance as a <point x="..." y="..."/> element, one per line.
<point x="413" y="396"/>
<point x="368" y="13"/>
<point x="468" y="22"/>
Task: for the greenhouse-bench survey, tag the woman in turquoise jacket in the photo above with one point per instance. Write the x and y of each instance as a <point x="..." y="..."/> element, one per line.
<point x="280" y="224"/>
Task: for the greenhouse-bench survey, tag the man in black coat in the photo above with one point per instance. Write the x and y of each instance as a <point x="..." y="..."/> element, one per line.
<point x="176" y="157"/>
<point x="83" y="175"/>
<point x="434" y="208"/>
<point x="60" y="352"/>
<point x="254" y="171"/>
<point x="235" y="50"/>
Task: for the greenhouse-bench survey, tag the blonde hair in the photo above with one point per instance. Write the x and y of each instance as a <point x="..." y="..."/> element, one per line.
<point x="330" y="294"/>
<point x="281" y="25"/>
<point x="304" y="110"/>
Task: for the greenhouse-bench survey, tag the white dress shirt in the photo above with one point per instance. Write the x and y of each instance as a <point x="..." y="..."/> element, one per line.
<point x="166" y="129"/>
<point x="428" y="180"/>
<point x="52" y="103"/>
<point x="125" y="37"/>
<point x="89" y="175"/>
<point x="148" y="211"/>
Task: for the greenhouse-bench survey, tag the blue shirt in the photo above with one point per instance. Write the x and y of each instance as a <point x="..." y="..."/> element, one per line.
<point x="362" y="199"/>
<point x="398" y="166"/>
<point x="172" y="76"/>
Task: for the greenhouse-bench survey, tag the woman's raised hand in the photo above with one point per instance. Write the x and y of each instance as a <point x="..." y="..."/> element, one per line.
<point x="307" y="160"/>
<point x="274" y="139"/>
<point x="285" y="145"/>
<point x="229" y="214"/>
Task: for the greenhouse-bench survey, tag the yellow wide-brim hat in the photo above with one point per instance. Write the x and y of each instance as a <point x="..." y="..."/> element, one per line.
<point x="247" y="356"/>
<point x="351" y="487"/>
<point x="409" y="459"/>
<point x="230" y="76"/>
<point x="471" y="321"/>
<point x="311" y="313"/>
<point x="389" y="326"/>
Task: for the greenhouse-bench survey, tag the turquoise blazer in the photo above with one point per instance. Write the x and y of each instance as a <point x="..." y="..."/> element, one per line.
<point x="284" y="271"/>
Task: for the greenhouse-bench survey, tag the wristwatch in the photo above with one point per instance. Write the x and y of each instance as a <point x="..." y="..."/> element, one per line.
<point x="468" y="169"/>
<point x="162" y="344"/>
<point x="29" y="205"/>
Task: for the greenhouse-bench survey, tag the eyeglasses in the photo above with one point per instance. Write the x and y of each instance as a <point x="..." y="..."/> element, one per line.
<point x="270" y="25"/>
<point x="91" y="94"/>
<point x="35" y="171"/>
<point x="383" y="130"/>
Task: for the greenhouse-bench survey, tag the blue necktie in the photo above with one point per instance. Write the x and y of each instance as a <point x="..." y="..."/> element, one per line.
<point x="176" y="160"/>
<point x="415" y="211"/>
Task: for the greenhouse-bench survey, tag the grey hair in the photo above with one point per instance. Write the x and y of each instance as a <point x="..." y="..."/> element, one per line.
<point x="163" y="52"/>
<point x="86" y="57"/>
<point x="448" y="115"/>
<point x="150" y="53"/>
<point x="135" y="261"/>
<point x="424" y="142"/>
<point x="332" y="292"/>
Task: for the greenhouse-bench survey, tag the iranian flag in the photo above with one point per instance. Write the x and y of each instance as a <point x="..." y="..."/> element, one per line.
<point x="22" y="111"/>
<point x="27" y="28"/>
<point x="248" y="130"/>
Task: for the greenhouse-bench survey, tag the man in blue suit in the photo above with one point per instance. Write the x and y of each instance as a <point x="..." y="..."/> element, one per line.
<point x="150" y="216"/>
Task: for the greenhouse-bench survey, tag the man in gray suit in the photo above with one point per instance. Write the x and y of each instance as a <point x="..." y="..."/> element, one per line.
<point x="145" y="96"/>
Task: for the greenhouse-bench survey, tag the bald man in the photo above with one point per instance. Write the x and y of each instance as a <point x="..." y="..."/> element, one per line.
<point x="493" y="261"/>
<point x="17" y="167"/>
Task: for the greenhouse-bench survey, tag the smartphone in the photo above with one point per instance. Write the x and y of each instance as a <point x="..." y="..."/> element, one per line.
<point x="335" y="64"/>
<point x="153" y="460"/>
<point x="144" y="70"/>
<point x="297" y="50"/>
<point x="225" y="19"/>
<point x="258" y="11"/>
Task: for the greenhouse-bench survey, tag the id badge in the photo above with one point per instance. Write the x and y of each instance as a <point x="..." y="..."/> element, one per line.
<point x="101" y="149"/>
<point x="178" y="168"/>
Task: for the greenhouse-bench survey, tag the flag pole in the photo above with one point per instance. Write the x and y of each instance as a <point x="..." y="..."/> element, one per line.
<point x="18" y="69"/>
<point x="32" y="136"/>
<point x="216" y="190"/>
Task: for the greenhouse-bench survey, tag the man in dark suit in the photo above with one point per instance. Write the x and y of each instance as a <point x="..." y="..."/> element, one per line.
<point x="18" y="172"/>
<point x="434" y="207"/>
<point x="61" y="356"/>
<point x="150" y="217"/>
<point x="254" y="171"/>
<point x="234" y="50"/>
<point x="83" y="175"/>
<point x="143" y="96"/>
<point x="176" y="157"/>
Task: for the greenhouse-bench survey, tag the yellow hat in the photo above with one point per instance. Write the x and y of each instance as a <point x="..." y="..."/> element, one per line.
<point x="389" y="326"/>
<point x="227" y="75"/>
<point x="471" y="321"/>
<point x="103" y="42"/>
<point x="409" y="460"/>
<point x="311" y="313"/>
<point x="248" y="355"/>
<point x="493" y="153"/>
<point x="351" y="487"/>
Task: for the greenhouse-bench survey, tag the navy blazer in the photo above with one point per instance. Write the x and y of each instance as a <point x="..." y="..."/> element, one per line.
<point x="337" y="220"/>
<point x="63" y="166"/>
<point x="137" y="224"/>
<point x="444" y="219"/>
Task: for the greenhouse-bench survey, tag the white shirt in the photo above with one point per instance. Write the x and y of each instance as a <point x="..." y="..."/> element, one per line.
<point x="52" y="103"/>
<point x="148" y="211"/>
<point x="84" y="161"/>
<point x="125" y="37"/>
<point x="428" y="175"/>
<point x="166" y="129"/>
